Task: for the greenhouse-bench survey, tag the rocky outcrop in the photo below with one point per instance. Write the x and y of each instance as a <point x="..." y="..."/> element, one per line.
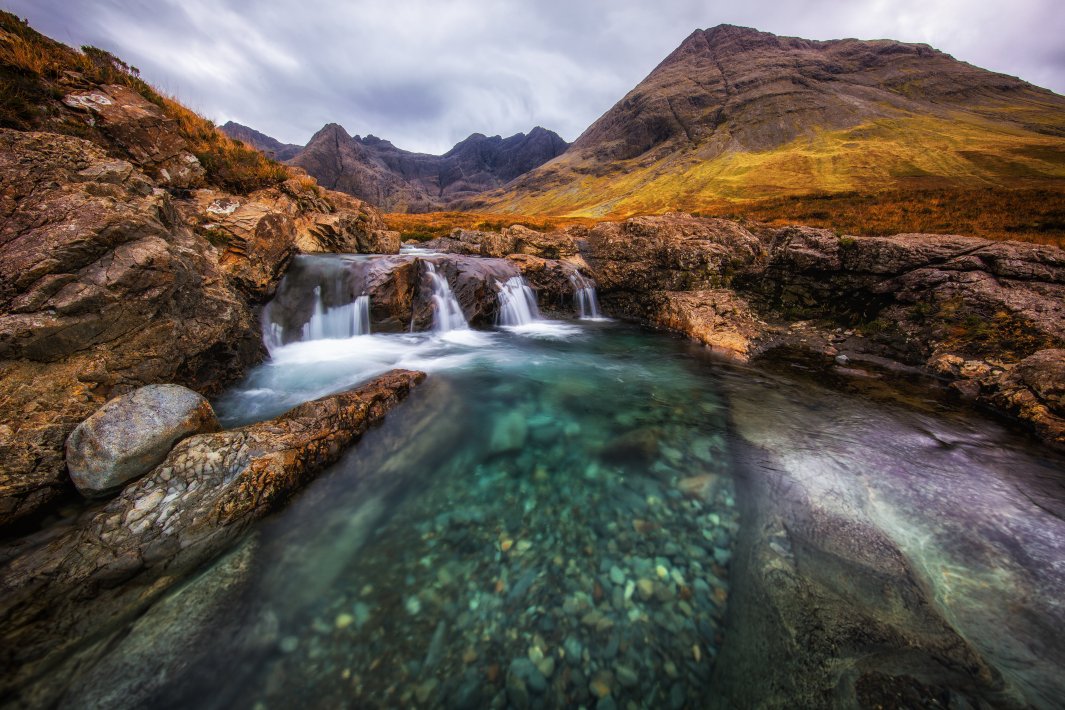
<point x="208" y="490"/>
<point x="140" y="129"/>
<point x="971" y="310"/>
<point x="131" y="434"/>
<point x="400" y="290"/>
<point x="718" y="318"/>
<point x="1033" y="390"/>
<point x="104" y="287"/>
<point x="258" y="234"/>
<point x="397" y="180"/>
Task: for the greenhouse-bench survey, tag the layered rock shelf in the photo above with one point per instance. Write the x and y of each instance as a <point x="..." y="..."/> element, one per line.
<point x="987" y="316"/>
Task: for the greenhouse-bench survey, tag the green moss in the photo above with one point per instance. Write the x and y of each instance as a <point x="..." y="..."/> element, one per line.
<point x="218" y="237"/>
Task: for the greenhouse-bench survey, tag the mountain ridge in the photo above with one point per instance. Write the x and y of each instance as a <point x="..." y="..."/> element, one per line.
<point x="373" y="169"/>
<point x="736" y="113"/>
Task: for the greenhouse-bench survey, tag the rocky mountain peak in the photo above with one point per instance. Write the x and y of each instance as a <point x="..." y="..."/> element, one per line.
<point x="395" y="179"/>
<point x="733" y="97"/>
<point x="330" y="131"/>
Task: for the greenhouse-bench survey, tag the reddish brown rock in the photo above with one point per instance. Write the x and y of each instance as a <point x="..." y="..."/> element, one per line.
<point x="208" y="490"/>
<point x="140" y="128"/>
<point x="258" y="234"/>
<point x="718" y="318"/>
<point x="102" y="289"/>
<point x="1034" y="391"/>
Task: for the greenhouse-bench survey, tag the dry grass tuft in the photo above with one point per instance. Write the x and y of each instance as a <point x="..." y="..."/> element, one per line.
<point x="31" y="66"/>
<point x="430" y="225"/>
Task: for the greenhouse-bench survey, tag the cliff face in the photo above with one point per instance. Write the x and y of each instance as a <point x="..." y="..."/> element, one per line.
<point x="127" y="257"/>
<point x="397" y="180"/>
<point x="738" y="113"/>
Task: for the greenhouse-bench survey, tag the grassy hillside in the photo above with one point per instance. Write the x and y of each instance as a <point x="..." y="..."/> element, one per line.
<point x="1024" y="214"/>
<point x="906" y="154"/>
<point x="34" y="71"/>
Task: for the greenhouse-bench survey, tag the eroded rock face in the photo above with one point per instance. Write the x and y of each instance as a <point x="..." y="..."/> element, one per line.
<point x="400" y="290"/>
<point x="103" y="289"/>
<point x="131" y="434"/>
<point x="193" y="505"/>
<point x="1033" y="390"/>
<point x="141" y="129"/>
<point x="718" y="318"/>
<point x="258" y="234"/>
<point x="964" y="308"/>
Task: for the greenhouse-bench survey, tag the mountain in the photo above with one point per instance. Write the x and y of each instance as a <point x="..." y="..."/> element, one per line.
<point x="397" y="180"/>
<point x="260" y="141"/>
<point x="734" y="113"/>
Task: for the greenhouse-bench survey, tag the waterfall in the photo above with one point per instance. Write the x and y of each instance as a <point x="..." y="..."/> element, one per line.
<point x="344" y="321"/>
<point x="517" y="302"/>
<point x="447" y="313"/>
<point x="584" y="295"/>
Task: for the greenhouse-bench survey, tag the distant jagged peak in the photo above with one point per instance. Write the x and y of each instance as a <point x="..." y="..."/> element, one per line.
<point x="332" y="131"/>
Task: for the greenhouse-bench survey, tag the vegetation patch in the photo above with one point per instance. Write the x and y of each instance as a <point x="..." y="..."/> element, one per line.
<point x="33" y="66"/>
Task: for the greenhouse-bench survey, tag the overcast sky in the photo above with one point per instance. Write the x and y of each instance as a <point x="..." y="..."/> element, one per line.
<point x="427" y="73"/>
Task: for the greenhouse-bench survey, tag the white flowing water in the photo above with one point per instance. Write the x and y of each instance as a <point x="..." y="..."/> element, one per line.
<point x="344" y="321"/>
<point x="447" y="313"/>
<point x="584" y="295"/>
<point x="517" y="303"/>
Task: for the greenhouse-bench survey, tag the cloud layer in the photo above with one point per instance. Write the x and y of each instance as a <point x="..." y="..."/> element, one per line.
<point x="425" y="73"/>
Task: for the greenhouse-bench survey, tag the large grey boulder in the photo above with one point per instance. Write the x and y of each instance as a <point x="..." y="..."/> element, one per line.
<point x="132" y="434"/>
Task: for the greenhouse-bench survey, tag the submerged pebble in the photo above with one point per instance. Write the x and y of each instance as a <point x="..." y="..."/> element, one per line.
<point x="550" y="557"/>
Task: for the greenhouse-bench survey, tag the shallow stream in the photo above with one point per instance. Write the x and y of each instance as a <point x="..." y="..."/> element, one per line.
<point x="551" y="520"/>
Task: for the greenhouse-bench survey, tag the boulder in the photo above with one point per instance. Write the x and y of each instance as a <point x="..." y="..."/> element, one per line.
<point x="1034" y="391"/>
<point x="132" y="434"/>
<point x="103" y="289"/>
<point x="718" y="318"/>
<point x="191" y="507"/>
<point x="258" y="234"/>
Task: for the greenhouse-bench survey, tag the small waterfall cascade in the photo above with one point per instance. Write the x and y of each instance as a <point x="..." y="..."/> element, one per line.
<point x="447" y="313"/>
<point x="320" y="298"/>
<point x="517" y="302"/>
<point x="584" y="296"/>
<point x="344" y="321"/>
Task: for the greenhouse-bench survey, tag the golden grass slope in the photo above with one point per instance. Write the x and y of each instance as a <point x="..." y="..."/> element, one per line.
<point x="914" y="152"/>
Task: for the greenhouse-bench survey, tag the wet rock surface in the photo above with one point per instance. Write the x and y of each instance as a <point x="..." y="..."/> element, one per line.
<point x="109" y="283"/>
<point x="400" y="289"/>
<point x="192" y="506"/>
<point x="861" y="581"/>
<point x="963" y="308"/>
<point x="131" y="434"/>
<point x="259" y="233"/>
<point x="103" y="290"/>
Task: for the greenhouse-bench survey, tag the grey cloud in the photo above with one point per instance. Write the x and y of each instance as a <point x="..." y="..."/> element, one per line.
<point x="425" y="74"/>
